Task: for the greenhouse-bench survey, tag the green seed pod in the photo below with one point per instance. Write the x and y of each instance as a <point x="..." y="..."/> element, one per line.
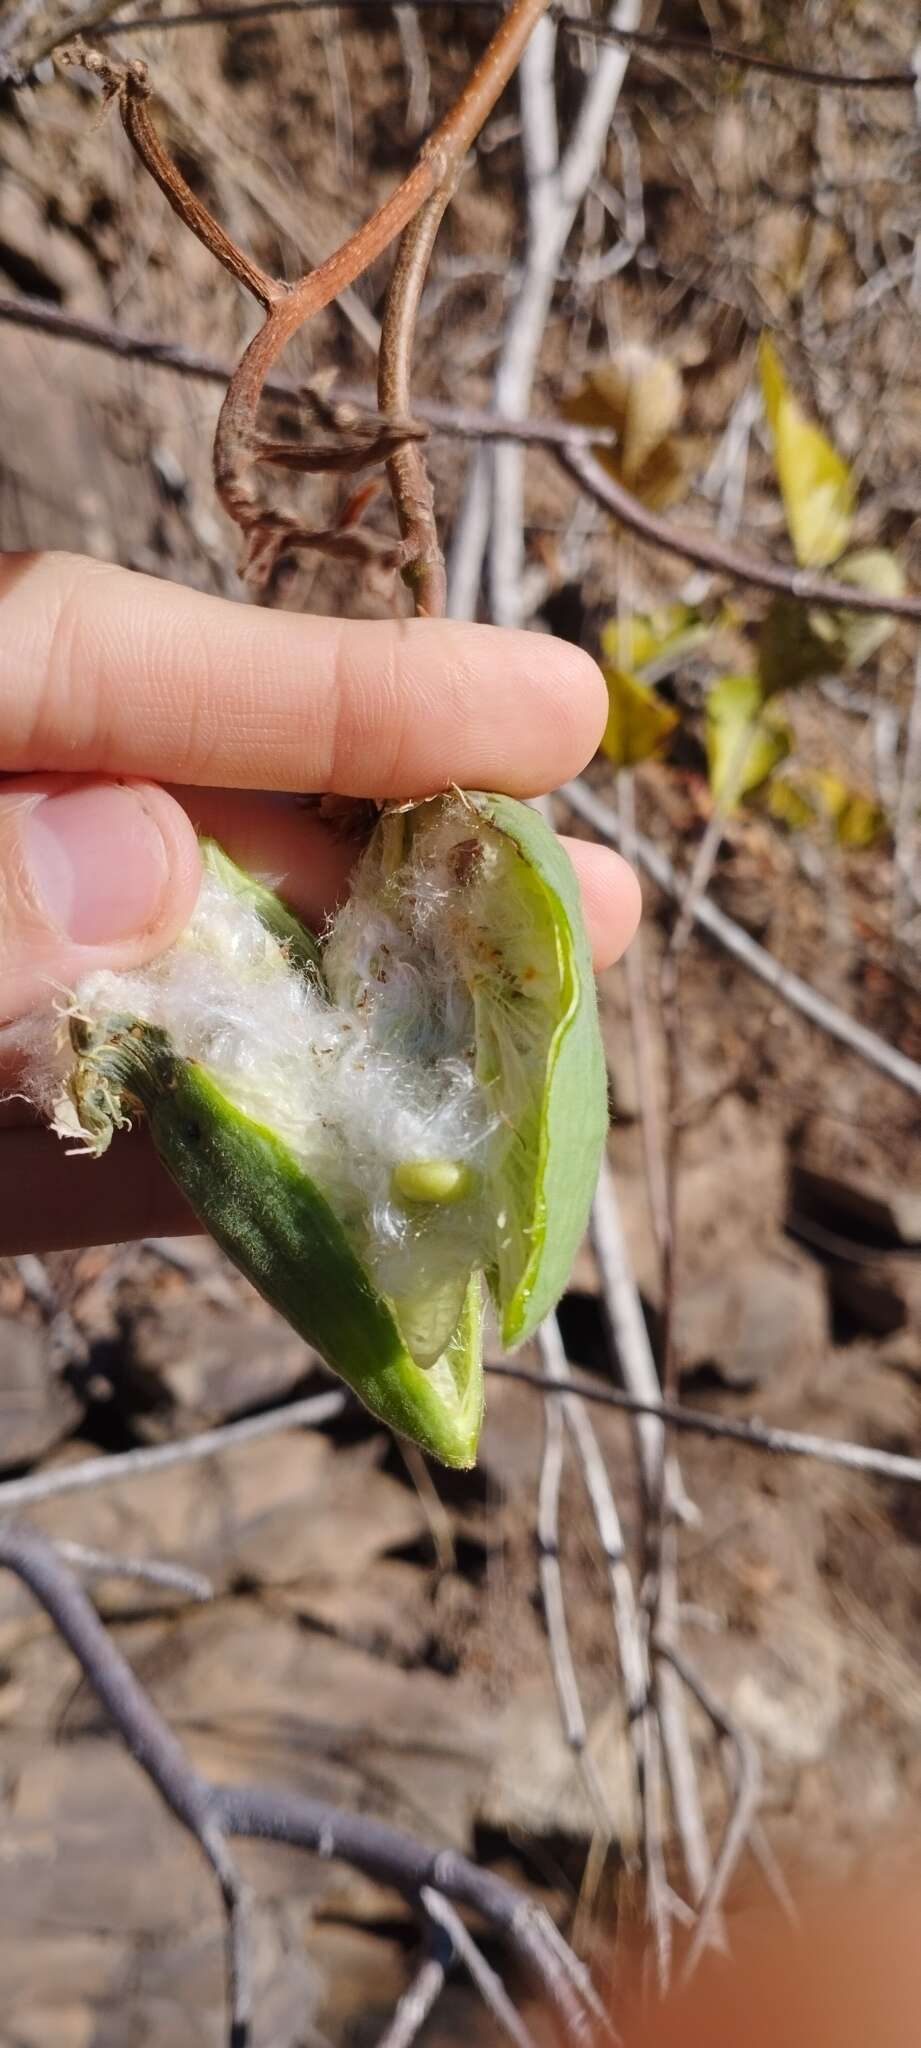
<point x="369" y="1125"/>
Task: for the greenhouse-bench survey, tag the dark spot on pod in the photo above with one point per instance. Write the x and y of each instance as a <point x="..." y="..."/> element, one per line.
<point x="465" y="859"/>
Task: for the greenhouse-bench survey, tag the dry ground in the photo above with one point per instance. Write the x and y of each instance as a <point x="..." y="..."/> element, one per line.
<point x="375" y="1638"/>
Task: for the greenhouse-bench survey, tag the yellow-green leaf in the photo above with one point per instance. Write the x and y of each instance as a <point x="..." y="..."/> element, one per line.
<point x="638" y="393"/>
<point x="858" y="634"/>
<point x="813" y="799"/>
<point x="855" y="819"/>
<point x="815" y="482"/>
<point x="655" y="640"/>
<point x="638" y="722"/>
<point x="745" y="739"/>
<point x="788" y="804"/>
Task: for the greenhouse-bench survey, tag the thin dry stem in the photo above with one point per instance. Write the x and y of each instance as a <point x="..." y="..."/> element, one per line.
<point x="801" y="996"/>
<point x="269" y="534"/>
<point x="729" y="561"/>
<point x="407" y="472"/>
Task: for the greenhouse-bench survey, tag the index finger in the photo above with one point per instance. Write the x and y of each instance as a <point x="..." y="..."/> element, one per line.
<point x="106" y="670"/>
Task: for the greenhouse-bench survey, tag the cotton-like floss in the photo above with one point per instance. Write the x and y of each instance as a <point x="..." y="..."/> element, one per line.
<point x="364" y="1072"/>
<point x="370" y="1122"/>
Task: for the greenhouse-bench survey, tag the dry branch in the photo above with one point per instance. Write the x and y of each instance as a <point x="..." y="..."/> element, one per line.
<point x="571" y="444"/>
<point x="305" y="1414"/>
<point x="755" y="1435"/>
<point x="789" y="986"/>
<point x="214" y="1814"/>
<point x="421" y="1995"/>
<point x="461" y="422"/>
<point x="719" y="555"/>
<point x="654" y="41"/>
<point x="268" y="533"/>
<point x="666" y="41"/>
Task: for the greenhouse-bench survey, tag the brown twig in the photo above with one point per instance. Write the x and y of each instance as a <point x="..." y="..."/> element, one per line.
<point x="730" y="561"/>
<point x="655" y="41"/>
<point x="269" y="533"/>
<point x="407" y="472"/>
<point x="570" y="444"/>
<point x="667" y="40"/>
<point x="461" y="422"/>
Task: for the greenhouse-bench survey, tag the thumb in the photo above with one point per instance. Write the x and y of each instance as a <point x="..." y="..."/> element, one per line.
<point x="92" y="874"/>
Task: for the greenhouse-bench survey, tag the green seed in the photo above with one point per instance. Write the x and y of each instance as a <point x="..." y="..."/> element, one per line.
<point x="431" y="1180"/>
<point x="275" y="1224"/>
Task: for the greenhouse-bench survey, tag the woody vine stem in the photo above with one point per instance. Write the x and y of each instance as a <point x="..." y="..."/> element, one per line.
<point x="413" y="211"/>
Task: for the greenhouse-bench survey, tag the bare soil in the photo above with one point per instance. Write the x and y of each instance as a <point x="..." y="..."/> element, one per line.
<point x="377" y="1636"/>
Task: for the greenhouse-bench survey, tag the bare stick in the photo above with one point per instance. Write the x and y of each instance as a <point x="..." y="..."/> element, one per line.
<point x="305" y="1414"/>
<point x="406" y="469"/>
<point x="628" y="1627"/>
<point x="566" y="1683"/>
<point x="422" y="1994"/>
<point x="213" y="1813"/>
<point x="573" y="444"/>
<point x="666" y="40"/>
<point x="418" y="69"/>
<point x="488" y="1983"/>
<point x="558" y="184"/>
<point x="758" y="1436"/>
<point x="151" y="1743"/>
<point x="257" y="8"/>
<point x="630" y="1338"/>
<point x="664" y="1488"/>
<point x="747" y="1792"/>
<point x="104" y="1564"/>
<point x="658" y="1890"/>
<point x="607" y="1521"/>
<point x="267" y="532"/>
<point x="654" y="41"/>
<point x="791" y="987"/>
<point x="462" y="422"/>
<point x="677" y="1749"/>
<point x="717" y="554"/>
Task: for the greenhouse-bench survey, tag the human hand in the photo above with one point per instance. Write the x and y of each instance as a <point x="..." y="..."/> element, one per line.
<point x="135" y="713"/>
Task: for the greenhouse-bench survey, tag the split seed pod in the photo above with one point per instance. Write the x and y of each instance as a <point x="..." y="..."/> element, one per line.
<point x="371" y="1125"/>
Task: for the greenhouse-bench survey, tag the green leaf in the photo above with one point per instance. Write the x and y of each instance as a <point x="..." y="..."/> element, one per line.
<point x="745" y="740"/>
<point x="815" y="482"/>
<point x="857" y="635"/>
<point x="638" y="722"/>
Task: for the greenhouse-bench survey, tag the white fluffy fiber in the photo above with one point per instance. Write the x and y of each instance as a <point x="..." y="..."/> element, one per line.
<point x="379" y="1072"/>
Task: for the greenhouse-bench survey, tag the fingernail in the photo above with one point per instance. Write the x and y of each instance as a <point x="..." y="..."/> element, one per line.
<point x="97" y="863"/>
